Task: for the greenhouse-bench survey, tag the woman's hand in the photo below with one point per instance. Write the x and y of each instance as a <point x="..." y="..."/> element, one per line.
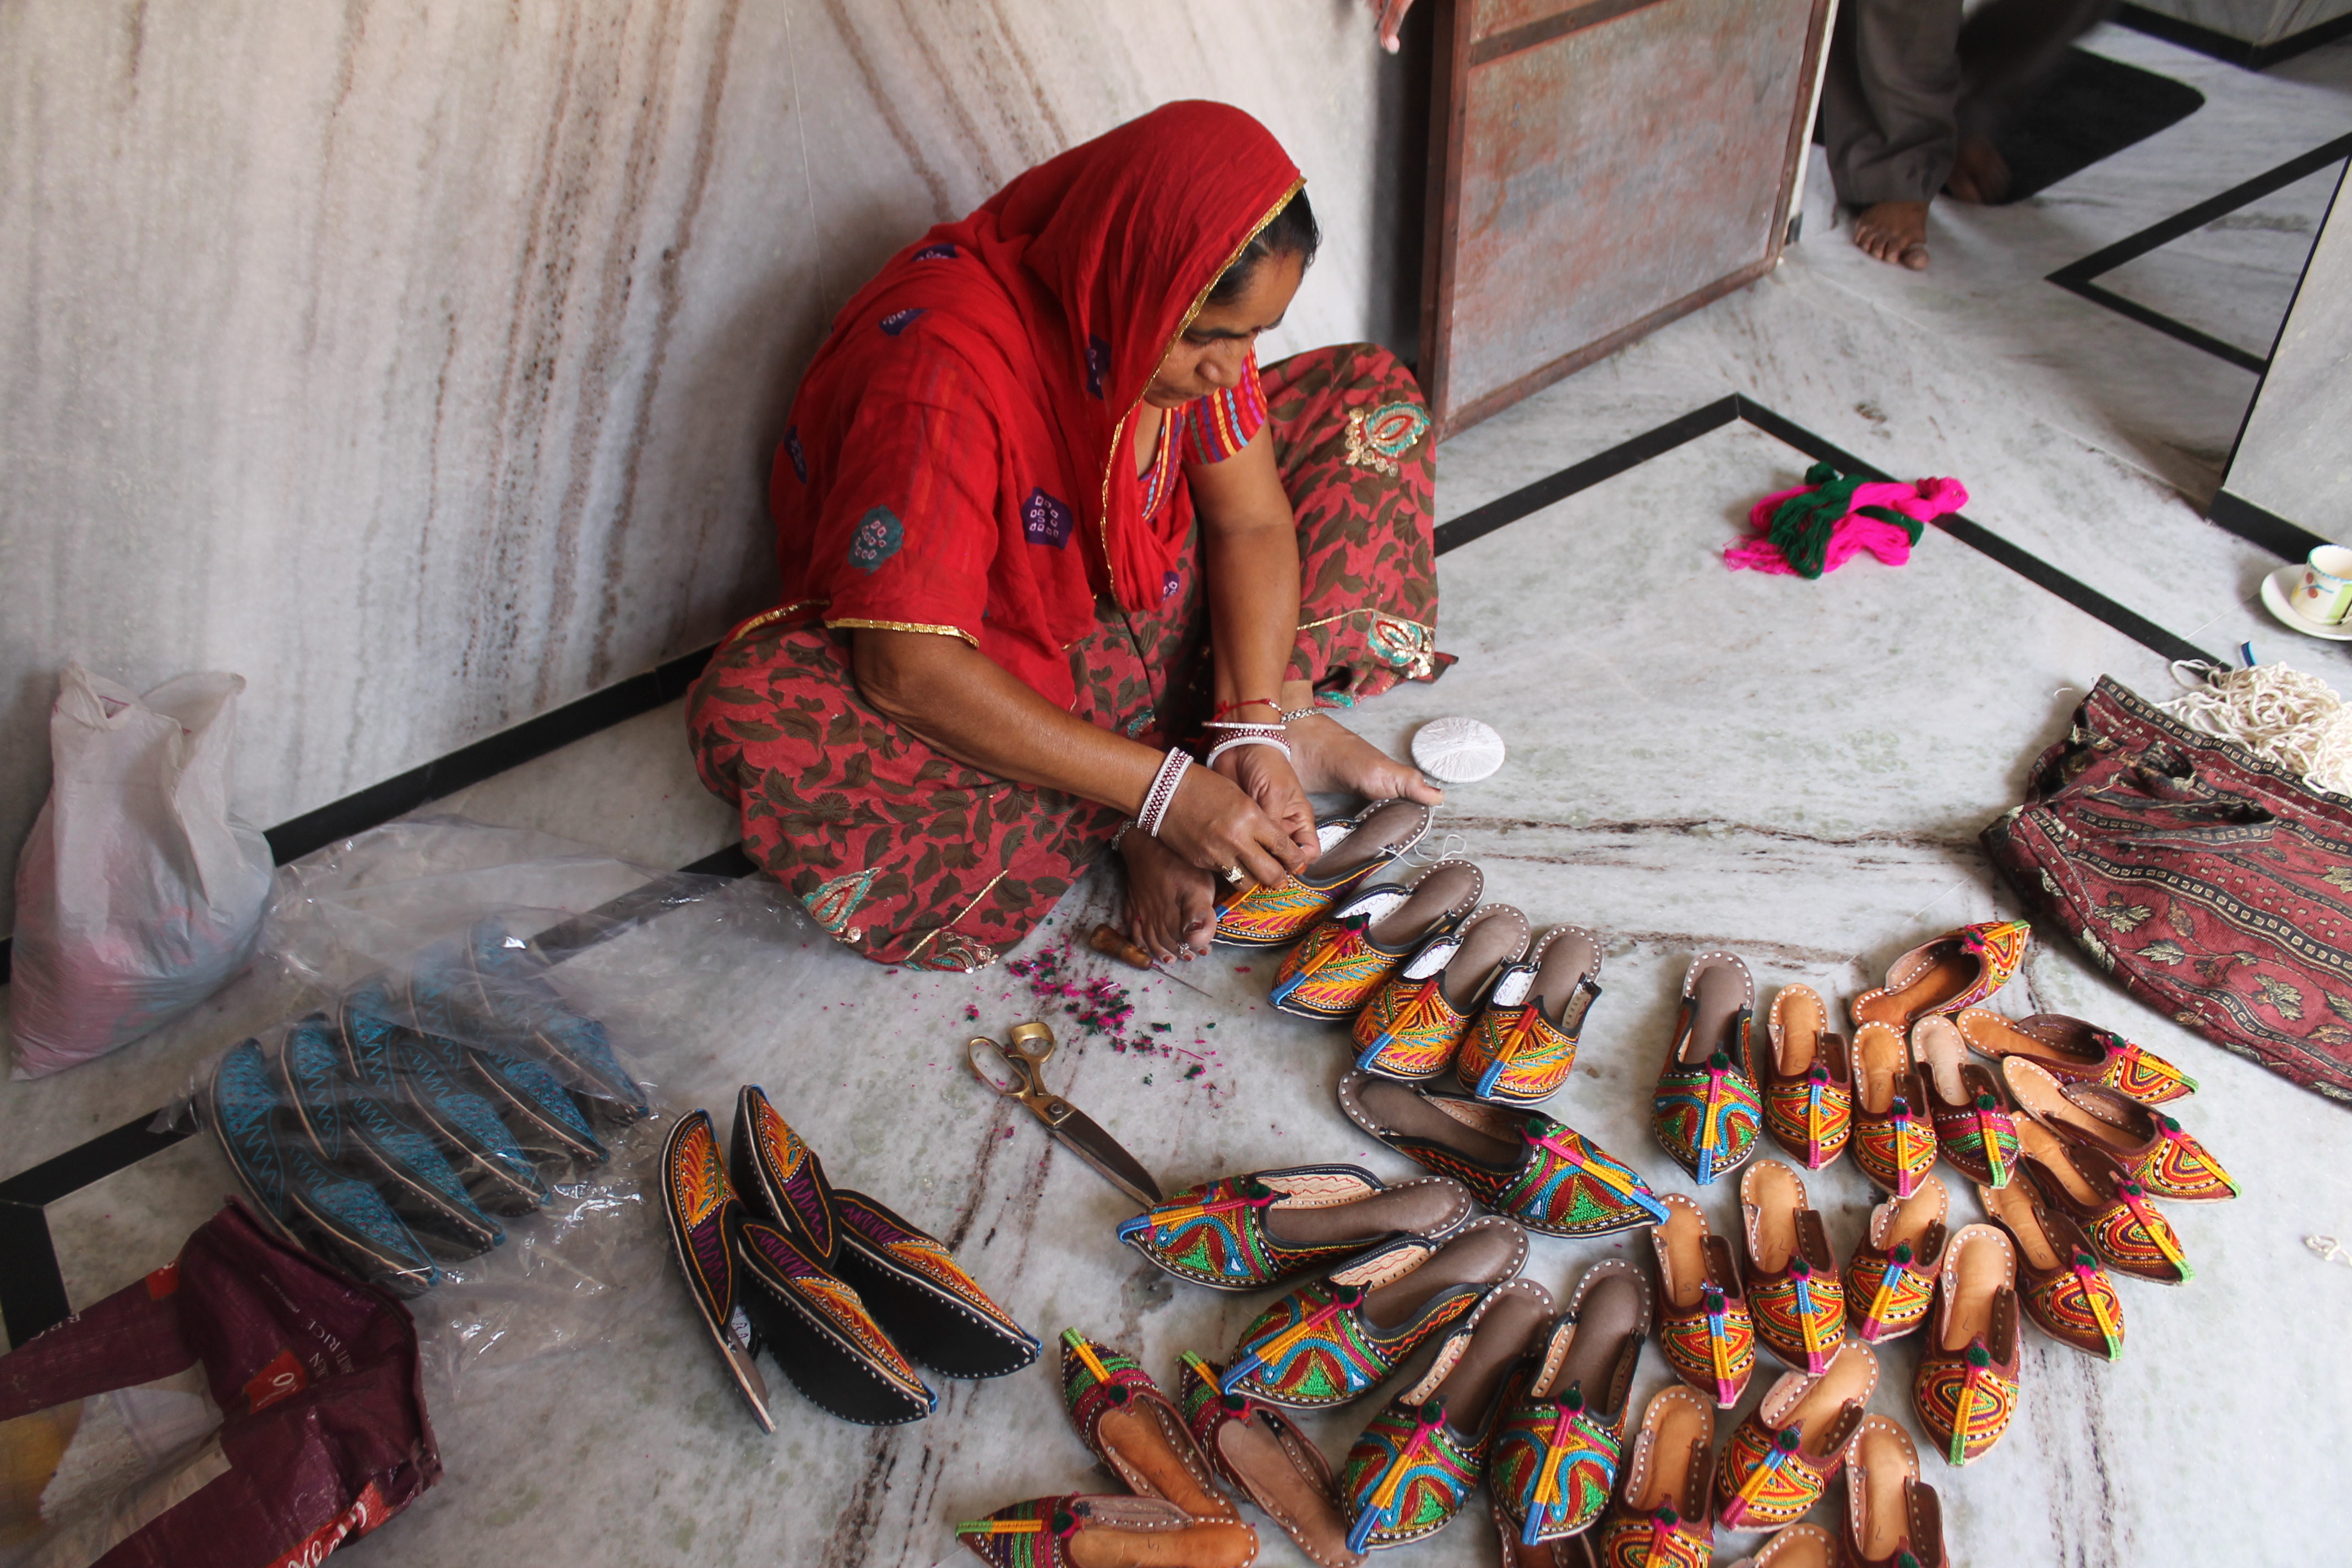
<point x="1171" y="908"/>
<point x="1266" y="775"/>
<point x="1391" y="19"/>
<point x="1213" y="825"/>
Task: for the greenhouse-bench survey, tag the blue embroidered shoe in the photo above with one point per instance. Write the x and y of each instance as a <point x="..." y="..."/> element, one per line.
<point x="1554" y="1456"/>
<point x="499" y="1175"/>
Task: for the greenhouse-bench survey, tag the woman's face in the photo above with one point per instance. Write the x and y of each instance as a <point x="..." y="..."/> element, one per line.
<point x="1208" y="355"/>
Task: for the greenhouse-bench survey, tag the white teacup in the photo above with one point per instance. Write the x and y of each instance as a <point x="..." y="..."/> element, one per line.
<point x="2323" y="593"/>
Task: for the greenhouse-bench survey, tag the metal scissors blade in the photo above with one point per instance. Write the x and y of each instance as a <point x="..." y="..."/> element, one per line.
<point x="1024" y="1056"/>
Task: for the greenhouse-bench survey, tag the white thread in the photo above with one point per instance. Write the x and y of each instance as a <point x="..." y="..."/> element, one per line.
<point x="2278" y="713"/>
<point x="1450" y="847"/>
<point x="1456" y="750"/>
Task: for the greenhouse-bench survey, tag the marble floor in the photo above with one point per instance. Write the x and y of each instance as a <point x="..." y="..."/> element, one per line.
<point x="1699" y="759"/>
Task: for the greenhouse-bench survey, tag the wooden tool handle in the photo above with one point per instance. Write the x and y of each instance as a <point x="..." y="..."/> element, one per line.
<point x="1109" y="941"/>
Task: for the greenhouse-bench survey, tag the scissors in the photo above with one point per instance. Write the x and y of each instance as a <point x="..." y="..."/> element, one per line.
<point x="1023" y="1060"/>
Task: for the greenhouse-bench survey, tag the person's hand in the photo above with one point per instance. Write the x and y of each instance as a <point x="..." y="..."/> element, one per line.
<point x="1213" y="824"/>
<point x="1171" y="908"/>
<point x="1391" y="20"/>
<point x="1266" y="776"/>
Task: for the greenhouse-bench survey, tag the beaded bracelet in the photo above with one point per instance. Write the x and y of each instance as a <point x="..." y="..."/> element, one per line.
<point x="1119" y="833"/>
<point x="1162" y="792"/>
<point x="1222" y="747"/>
<point x="1238" y="728"/>
<point x="1293" y="715"/>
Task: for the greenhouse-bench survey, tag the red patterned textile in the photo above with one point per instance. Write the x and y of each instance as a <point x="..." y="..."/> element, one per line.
<point x="2216" y="887"/>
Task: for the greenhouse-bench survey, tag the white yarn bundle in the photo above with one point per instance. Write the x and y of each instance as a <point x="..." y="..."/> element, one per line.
<point x="1456" y="750"/>
<point x="2280" y="714"/>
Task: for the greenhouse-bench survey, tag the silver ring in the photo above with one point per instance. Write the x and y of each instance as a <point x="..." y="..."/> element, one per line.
<point x="1234" y="875"/>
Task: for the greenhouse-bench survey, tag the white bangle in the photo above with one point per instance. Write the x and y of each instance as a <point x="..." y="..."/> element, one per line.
<point x="1162" y="792"/>
<point x="1222" y="747"/>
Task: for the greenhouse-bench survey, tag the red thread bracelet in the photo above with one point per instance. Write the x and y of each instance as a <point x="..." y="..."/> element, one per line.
<point x="1222" y="709"/>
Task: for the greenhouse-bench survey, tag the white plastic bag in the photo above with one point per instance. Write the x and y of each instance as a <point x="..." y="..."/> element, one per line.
<point x="138" y="893"/>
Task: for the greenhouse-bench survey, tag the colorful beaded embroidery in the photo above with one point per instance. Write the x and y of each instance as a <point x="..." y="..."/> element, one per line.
<point x="1811" y="1117"/>
<point x="1408" y="1029"/>
<point x="1660" y="1539"/>
<point x="1713" y="1348"/>
<point x="1515" y="1054"/>
<point x="1887" y="1294"/>
<point x="1897" y="1148"/>
<point x="1765" y="1481"/>
<point x="2178" y="1167"/>
<point x="2130" y="1234"/>
<point x="1378" y="437"/>
<point x="1801" y="1316"/>
<point x="785" y="1175"/>
<point x="1563" y="1185"/>
<point x="2078" y="1306"/>
<point x="1963" y="1403"/>
<point x="1554" y="1465"/>
<point x="1708" y="1117"/>
<point x="1331" y="974"/>
<point x="1214" y="1234"/>
<point x="923" y="1255"/>
<point x="776" y="1264"/>
<point x="1407" y="1476"/>
<point x="1978" y="1138"/>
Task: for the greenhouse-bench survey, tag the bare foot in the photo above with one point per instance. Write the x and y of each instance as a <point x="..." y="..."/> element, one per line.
<point x="1894" y="232"/>
<point x="1172" y="909"/>
<point x="1980" y="173"/>
<point x="1332" y="759"/>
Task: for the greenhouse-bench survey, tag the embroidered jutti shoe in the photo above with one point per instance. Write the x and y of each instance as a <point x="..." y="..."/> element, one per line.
<point x="1706" y="1112"/>
<point x="1339" y="1337"/>
<point x="2084" y="1183"/>
<point x="1260" y="1450"/>
<point x="1349" y="850"/>
<point x="1777" y="1463"/>
<point x="701" y="1210"/>
<point x="2072" y="1051"/>
<point x="1893" y="1518"/>
<point x="2066" y="1292"/>
<point x="1797" y="1546"/>
<point x="781" y="1178"/>
<point x="1702" y="1322"/>
<point x="2148" y="1144"/>
<point x="1523" y="1044"/>
<point x="1412" y="1025"/>
<point x="1410" y="1471"/>
<point x="921" y="1296"/>
<point x="820" y="1332"/>
<point x="1666" y="1516"/>
<point x="1807" y="1079"/>
<point x="1558" y="1451"/>
<point x="1358" y="946"/>
<point x="1105" y="1532"/>
<point x="1958" y="969"/>
<point x="1794" y="1295"/>
<point x="1890" y="1281"/>
<point x="1965" y="1388"/>
<point x="1245" y="1233"/>
<point x="1135" y="1429"/>
<point x="498" y="1172"/>
<point x="1893" y="1136"/>
<point x="1974" y="1130"/>
<point x="1540" y="1173"/>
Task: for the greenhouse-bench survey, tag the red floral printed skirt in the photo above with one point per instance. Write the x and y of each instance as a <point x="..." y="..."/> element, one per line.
<point x="910" y="857"/>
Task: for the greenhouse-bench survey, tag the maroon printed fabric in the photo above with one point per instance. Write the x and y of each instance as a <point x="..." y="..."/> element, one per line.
<point x="907" y="856"/>
<point x="2215" y="885"/>
<point x="323" y="1430"/>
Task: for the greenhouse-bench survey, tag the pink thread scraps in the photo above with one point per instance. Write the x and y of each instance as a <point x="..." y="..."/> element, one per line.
<point x="1923" y="502"/>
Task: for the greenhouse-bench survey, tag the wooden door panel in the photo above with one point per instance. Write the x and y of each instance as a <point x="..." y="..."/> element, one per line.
<point x="1601" y="169"/>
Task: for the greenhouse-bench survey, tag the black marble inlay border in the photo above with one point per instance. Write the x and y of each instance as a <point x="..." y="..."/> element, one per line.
<point x="32" y="1291"/>
<point x="2076" y="277"/>
<point x="2221" y="47"/>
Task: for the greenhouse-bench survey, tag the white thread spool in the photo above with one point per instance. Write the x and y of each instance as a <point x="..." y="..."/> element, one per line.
<point x="1455" y="750"/>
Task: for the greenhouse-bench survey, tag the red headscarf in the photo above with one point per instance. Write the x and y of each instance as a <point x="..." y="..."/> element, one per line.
<point x="958" y="457"/>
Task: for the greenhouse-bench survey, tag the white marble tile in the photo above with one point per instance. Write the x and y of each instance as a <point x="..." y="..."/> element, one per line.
<point x="2235" y="276"/>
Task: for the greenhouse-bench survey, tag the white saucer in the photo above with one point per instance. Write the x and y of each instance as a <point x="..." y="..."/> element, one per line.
<point x="2278" y="598"/>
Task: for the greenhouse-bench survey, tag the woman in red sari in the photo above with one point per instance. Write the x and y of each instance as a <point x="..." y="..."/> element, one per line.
<point x="1046" y="529"/>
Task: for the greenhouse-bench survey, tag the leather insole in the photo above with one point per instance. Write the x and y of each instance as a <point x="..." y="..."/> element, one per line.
<point x="1717" y="993"/>
<point x="1982" y="1269"/>
<point x="1802" y="1022"/>
<point x="1442" y="888"/>
<point x="1138" y="1434"/>
<point x="1297" y="1500"/>
<point x="1513" y="1318"/>
<point x="1999" y="1036"/>
<point x="1777" y="1196"/>
<point x="1940" y="1048"/>
<point x="1944" y="976"/>
<point x="1608" y="1320"/>
<point x="1684" y="1432"/>
<point x="1683" y="1237"/>
<point x="1204" y="1543"/>
<point x="2038" y="1144"/>
<point x="1386" y="829"/>
<point x="1404" y="1110"/>
<point x="1482" y="1255"/>
<point x="1849" y="1378"/>
<point x="1568" y="957"/>
<point x="1886" y="1463"/>
<point x="1792" y="1549"/>
<point x="1492" y="938"/>
<point x="1881" y="1068"/>
<point x="2014" y="1207"/>
<point x="1415" y="1208"/>
<point x="1916" y="1214"/>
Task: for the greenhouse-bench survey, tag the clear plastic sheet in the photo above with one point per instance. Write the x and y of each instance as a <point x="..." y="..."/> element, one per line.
<point x="467" y="1108"/>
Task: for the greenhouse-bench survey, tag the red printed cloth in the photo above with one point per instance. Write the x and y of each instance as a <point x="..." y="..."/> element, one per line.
<point x="2216" y="887"/>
